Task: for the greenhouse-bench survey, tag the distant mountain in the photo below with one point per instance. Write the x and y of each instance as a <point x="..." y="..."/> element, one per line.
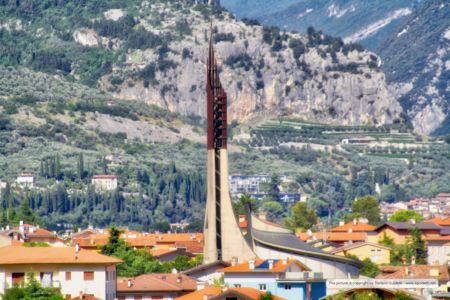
<point x="417" y="64"/>
<point x="364" y="21"/>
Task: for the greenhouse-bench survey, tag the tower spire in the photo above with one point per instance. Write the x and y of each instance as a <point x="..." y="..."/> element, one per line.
<point x="223" y="237"/>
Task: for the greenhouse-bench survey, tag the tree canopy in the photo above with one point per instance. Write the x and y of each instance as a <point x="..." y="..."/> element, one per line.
<point x="366" y="207"/>
<point x="137" y="262"/>
<point x="32" y="291"/>
<point x="406" y="215"/>
<point x="301" y="217"/>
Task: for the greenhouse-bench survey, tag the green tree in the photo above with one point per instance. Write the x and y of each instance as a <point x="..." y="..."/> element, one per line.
<point x="274" y="188"/>
<point x="406" y="215"/>
<point x="369" y="268"/>
<point x="301" y="217"/>
<point x="80" y="165"/>
<point x="266" y="296"/>
<point x="418" y="246"/>
<point x="240" y="207"/>
<point x="366" y="207"/>
<point x="32" y="290"/>
<point x="275" y="211"/>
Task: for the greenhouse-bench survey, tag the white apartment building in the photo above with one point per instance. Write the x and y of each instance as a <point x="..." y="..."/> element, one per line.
<point x="25" y="179"/>
<point x="71" y="270"/>
<point x="104" y="182"/>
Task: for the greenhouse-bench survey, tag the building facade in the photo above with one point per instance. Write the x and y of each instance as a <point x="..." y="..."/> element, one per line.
<point x="104" y="182"/>
<point x="74" y="273"/>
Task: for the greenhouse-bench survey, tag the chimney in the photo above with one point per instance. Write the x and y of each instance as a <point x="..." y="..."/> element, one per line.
<point x="174" y="271"/>
<point x="406" y="271"/>
<point x="284" y="261"/>
<point x="413" y="221"/>
<point x="241" y="218"/>
<point x="234" y="261"/>
<point x="413" y="260"/>
<point x="179" y="279"/>
<point x="77" y="248"/>
<point x="129" y="283"/>
<point x="350" y="230"/>
<point x="251" y="264"/>
<point x="270" y="264"/>
<point x="355" y="221"/>
<point x="341" y="223"/>
<point x="309" y="232"/>
<point x="205" y="297"/>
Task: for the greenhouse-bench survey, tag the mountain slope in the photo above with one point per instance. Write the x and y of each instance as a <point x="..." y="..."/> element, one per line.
<point x="417" y="63"/>
<point x="364" y="21"/>
<point x="155" y="52"/>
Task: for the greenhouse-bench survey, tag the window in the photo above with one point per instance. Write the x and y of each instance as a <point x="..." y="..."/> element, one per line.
<point x="18" y="278"/>
<point x="88" y="276"/>
<point x="287" y="286"/>
<point x="68" y="276"/>
<point x="262" y="287"/>
<point x="46" y="279"/>
<point x="237" y="285"/>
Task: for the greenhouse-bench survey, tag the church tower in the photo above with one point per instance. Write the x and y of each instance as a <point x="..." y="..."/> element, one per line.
<point x="223" y="237"/>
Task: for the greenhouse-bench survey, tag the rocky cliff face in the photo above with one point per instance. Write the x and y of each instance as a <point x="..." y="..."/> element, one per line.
<point x="417" y="65"/>
<point x="259" y="71"/>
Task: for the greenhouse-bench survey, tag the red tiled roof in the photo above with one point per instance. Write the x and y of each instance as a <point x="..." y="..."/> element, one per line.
<point x="415" y="271"/>
<point x="347" y="236"/>
<point x="12" y="255"/>
<point x="358" y="227"/>
<point x="157" y="283"/>
<point x="193" y="247"/>
<point x="439" y="221"/>
<point x="211" y="293"/>
<point x="278" y="266"/>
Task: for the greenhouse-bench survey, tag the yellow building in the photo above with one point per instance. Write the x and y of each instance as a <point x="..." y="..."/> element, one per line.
<point x="378" y="254"/>
<point x="72" y="271"/>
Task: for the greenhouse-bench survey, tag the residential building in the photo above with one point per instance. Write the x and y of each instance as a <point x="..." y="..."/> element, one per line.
<point x="400" y="232"/>
<point x="25" y="180"/>
<point x="247" y="184"/>
<point x="213" y="293"/>
<point x="337" y="238"/>
<point x="72" y="271"/>
<point x="287" y="278"/>
<point x="33" y="234"/>
<point x="206" y="274"/>
<point x="438" y="272"/>
<point x="377" y="253"/>
<point x="104" y="182"/>
<point x="155" y="286"/>
<point x="438" y="248"/>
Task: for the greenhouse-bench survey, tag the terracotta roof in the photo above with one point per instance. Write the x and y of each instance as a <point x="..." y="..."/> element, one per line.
<point x="358" y="227"/>
<point x="303" y="236"/>
<point x="193" y="247"/>
<point x="439" y="221"/>
<point x="438" y="238"/>
<point x="262" y="265"/>
<point x="200" y="268"/>
<point x="11" y="255"/>
<point x="347" y="236"/>
<point x="212" y="293"/>
<point x="157" y="283"/>
<point x="162" y="252"/>
<point x="357" y="245"/>
<point x="415" y="271"/>
<point x="25" y="174"/>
